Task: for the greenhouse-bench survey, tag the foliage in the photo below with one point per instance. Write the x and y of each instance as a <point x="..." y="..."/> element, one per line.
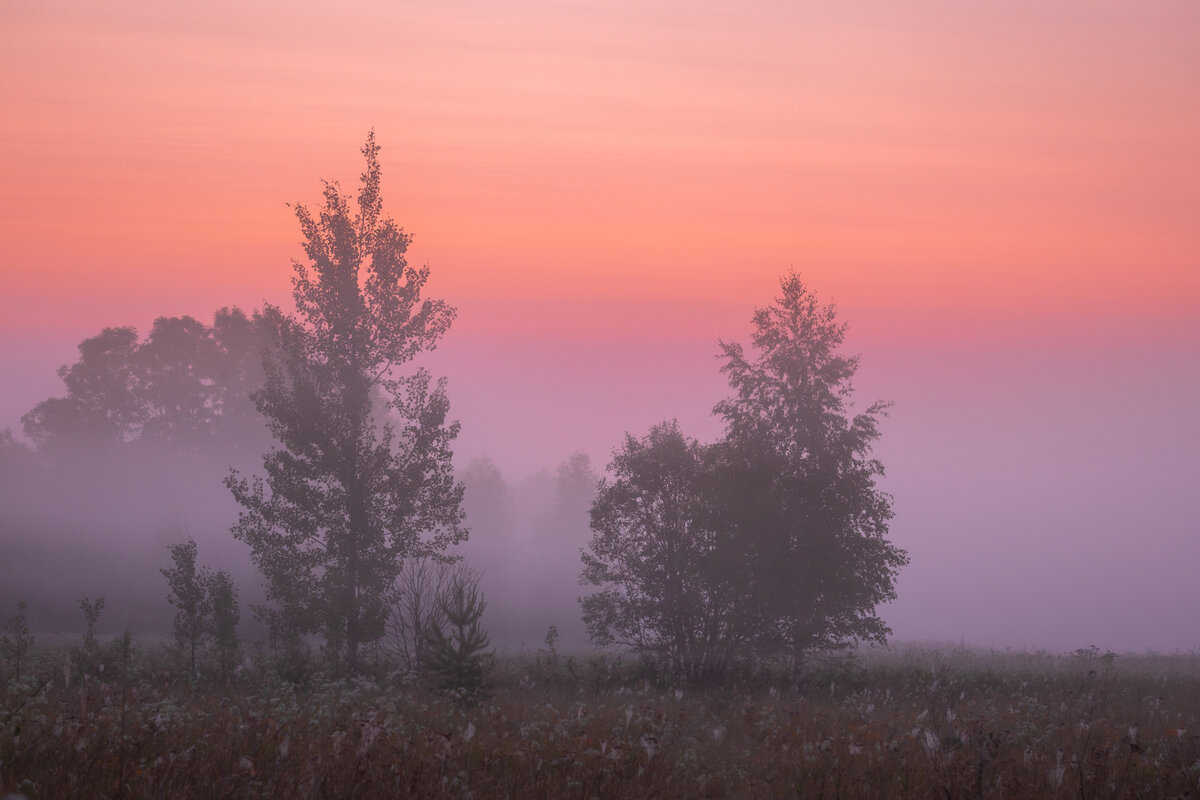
<point x="223" y="604"/>
<point x="348" y="495"/>
<point x="660" y="564"/>
<point x="798" y="483"/>
<point x="189" y="595"/>
<point x="91" y="615"/>
<point x="456" y="652"/>
<point x="184" y="386"/>
<point x="206" y="607"/>
<point x="768" y="543"/>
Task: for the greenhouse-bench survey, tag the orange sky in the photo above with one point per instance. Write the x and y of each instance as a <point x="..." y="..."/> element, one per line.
<point x="945" y="165"/>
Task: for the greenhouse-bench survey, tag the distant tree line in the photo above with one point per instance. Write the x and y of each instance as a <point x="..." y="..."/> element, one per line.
<point x="185" y="386"/>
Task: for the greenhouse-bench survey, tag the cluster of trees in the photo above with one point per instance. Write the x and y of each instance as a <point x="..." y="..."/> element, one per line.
<point x="184" y="387"/>
<point x="131" y="452"/>
<point x="206" y="608"/>
<point x="767" y="543"/>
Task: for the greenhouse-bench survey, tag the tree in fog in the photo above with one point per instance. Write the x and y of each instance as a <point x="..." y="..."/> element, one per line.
<point x="205" y="604"/>
<point x="415" y="608"/>
<point x="223" y="604"/>
<point x="657" y="559"/>
<point x="457" y="650"/>
<point x="770" y="542"/>
<point x="185" y="386"/>
<point x="101" y="406"/>
<point x="189" y="595"/>
<point x="798" y="487"/>
<point x="487" y="502"/>
<point x="361" y="477"/>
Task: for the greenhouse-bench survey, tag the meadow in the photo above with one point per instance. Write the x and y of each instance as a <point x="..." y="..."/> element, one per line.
<point x="123" y="720"/>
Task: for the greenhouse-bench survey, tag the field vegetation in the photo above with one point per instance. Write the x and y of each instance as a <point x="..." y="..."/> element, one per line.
<point x="119" y="719"/>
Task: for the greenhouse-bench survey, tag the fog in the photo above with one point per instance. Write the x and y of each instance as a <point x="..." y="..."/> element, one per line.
<point x="1045" y="498"/>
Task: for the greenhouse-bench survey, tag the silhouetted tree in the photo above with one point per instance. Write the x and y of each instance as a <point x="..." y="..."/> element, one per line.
<point x="658" y="561"/>
<point x="486" y="502"/>
<point x="772" y="541"/>
<point x="242" y="342"/>
<point x="185" y="385"/>
<point x="349" y="495"/>
<point x="456" y="652"/>
<point x="225" y="615"/>
<point x="798" y="485"/>
<point x="101" y="405"/>
<point x="415" y="607"/>
<point x="189" y="594"/>
<point x="91" y="615"/>
<point x="173" y="381"/>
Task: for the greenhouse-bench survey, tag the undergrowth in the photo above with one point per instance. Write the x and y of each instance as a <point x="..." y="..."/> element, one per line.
<point x="913" y="723"/>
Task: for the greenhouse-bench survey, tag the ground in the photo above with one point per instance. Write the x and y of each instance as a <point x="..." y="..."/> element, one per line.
<point x="904" y="722"/>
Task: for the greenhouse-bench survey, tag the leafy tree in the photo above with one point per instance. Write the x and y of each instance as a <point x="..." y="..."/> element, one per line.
<point x="798" y="490"/>
<point x="659" y="562"/>
<point x="101" y="406"/>
<point x="206" y="607"/>
<point x="241" y="342"/>
<point x="349" y="494"/>
<point x="223" y="604"/>
<point x="185" y="385"/>
<point x="189" y="594"/>
<point x="770" y="542"/>
<point x="173" y="381"/>
<point x="457" y="653"/>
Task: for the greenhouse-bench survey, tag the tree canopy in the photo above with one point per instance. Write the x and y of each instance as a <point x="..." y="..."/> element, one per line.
<point x="361" y="476"/>
<point x="769" y="542"/>
<point x="185" y="386"/>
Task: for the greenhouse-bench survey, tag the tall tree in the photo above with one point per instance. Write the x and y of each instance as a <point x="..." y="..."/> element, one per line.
<point x="771" y="541"/>
<point x="361" y="477"/>
<point x="799" y="490"/>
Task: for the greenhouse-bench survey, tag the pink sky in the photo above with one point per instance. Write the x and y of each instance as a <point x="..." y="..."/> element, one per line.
<point x="1001" y="197"/>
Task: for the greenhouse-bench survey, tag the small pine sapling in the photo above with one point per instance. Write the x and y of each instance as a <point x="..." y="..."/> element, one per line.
<point x="458" y="655"/>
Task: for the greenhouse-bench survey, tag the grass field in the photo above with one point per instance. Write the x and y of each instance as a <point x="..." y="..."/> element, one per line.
<point x="906" y="722"/>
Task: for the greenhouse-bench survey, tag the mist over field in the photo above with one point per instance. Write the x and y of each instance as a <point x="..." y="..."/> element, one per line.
<point x="1043" y="498"/>
<point x="471" y="399"/>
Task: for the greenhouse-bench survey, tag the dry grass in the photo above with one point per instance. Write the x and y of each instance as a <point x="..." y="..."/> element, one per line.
<point x="915" y="723"/>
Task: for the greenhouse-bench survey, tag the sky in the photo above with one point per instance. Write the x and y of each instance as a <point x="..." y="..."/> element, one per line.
<point x="1000" y="198"/>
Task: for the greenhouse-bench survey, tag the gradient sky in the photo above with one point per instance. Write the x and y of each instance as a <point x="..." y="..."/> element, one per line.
<point x="1001" y="198"/>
